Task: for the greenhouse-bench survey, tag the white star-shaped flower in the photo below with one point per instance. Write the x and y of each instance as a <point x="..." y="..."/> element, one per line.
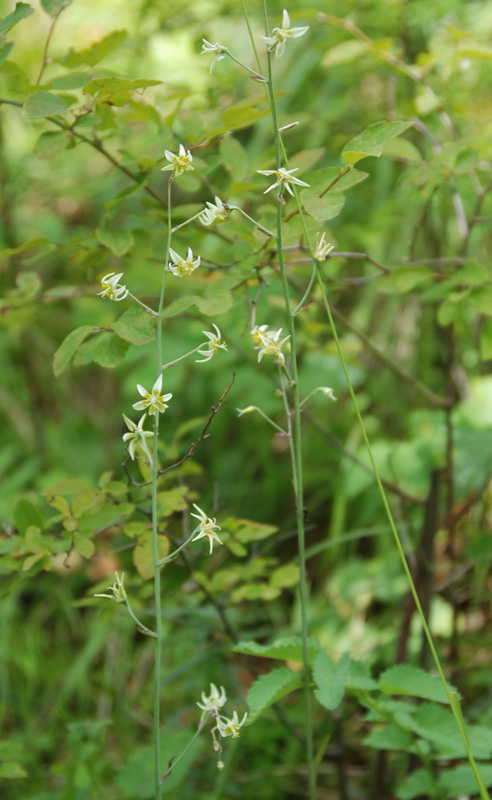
<point x="214" y="211"/>
<point x="322" y="248"/>
<point x="111" y="288"/>
<point x="179" y="163"/>
<point x="217" y="48"/>
<point x="206" y="527"/>
<point x="183" y="266"/>
<point x="214" y="343"/>
<point x="280" y="35"/>
<point x="154" y="400"/>
<point x="284" y="179"/>
<point x="215" y="701"/>
<point x="230" y="727"/>
<point x="137" y="437"/>
<point x="117" y="589"/>
<point x="272" y="346"/>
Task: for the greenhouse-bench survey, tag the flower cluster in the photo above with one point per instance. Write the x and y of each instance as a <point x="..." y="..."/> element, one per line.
<point x="111" y="288"/>
<point x="206" y="528"/>
<point x="178" y="163"/>
<point x="280" y="35"/>
<point x="217" y="48"/>
<point x="225" y="725"/>
<point x="322" y="248"/>
<point x="269" y="343"/>
<point x="117" y="589"/>
<point x="214" y="343"/>
<point x="183" y="266"/>
<point x="217" y="211"/>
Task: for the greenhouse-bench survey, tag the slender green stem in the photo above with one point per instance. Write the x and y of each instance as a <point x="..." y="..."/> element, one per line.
<point x="173" y="555"/>
<point x="450" y="695"/>
<point x="180" y="358"/>
<point x="183" y="753"/>
<point x="155" y="540"/>
<point x="143" y="628"/>
<point x="262" y="413"/>
<point x="250" y="31"/>
<point x="255" y="223"/>
<point x="306" y="294"/>
<point x="297" y="442"/>
<point x="146" y="307"/>
<point x="248" y="69"/>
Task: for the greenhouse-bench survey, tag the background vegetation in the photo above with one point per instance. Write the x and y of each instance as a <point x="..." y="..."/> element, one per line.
<point x="410" y="286"/>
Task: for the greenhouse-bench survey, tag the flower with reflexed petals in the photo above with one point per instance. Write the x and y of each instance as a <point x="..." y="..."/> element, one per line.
<point x="215" y="701"/>
<point x="322" y="249"/>
<point x="284" y="179"/>
<point x="178" y="163"/>
<point x="217" y="48"/>
<point x="214" y="344"/>
<point x="207" y="527"/>
<point x="118" y="590"/>
<point x="111" y="288"/>
<point x="137" y="437"/>
<point x="218" y="211"/>
<point x="272" y="346"/>
<point x="257" y="332"/>
<point x="154" y="400"/>
<point x="182" y="266"/>
<point x="230" y="727"/>
<point x="280" y="35"/>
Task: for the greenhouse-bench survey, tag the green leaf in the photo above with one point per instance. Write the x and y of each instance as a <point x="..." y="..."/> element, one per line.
<point x="403" y="279"/>
<point x="50" y="143"/>
<point x="418" y="783"/>
<point x="136" y="326"/>
<point x="389" y="738"/>
<point x="84" y="545"/>
<point x="179" y="305"/>
<point x="285" y="576"/>
<point x="143" y="555"/>
<point x="108" y="350"/>
<point x="40" y="241"/>
<point x="345" y="53"/>
<point x="359" y="677"/>
<point x="234" y="157"/>
<point x="413" y="681"/>
<point x="34" y="540"/>
<point x="171" y="501"/>
<point x="216" y="303"/>
<point x="323" y="208"/>
<point x="118" y="241"/>
<point x="239" y="117"/>
<point x="68" y="347"/>
<point x="331" y="679"/>
<point x="10" y="751"/>
<point x="53" y="7"/>
<point x="108" y="87"/>
<point x="481" y="300"/>
<point x="322" y="178"/>
<point x="26" y="514"/>
<point x="21" y="11"/>
<point x="5" y="50"/>
<point x="95" y="53"/>
<point x="12" y="770"/>
<point x="286" y="649"/>
<point x="269" y="688"/>
<point x="486" y="341"/>
<point x="44" y="104"/>
<point x="458" y="781"/>
<point x="67" y="487"/>
<point x="370" y="142"/>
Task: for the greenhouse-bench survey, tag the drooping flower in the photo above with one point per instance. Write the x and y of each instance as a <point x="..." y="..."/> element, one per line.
<point x="230" y="727"/>
<point x="272" y="346"/>
<point x="214" y="211"/>
<point x="137" y="437"/>
<point x="117" y="589"/>
<point x="154" y="400"/>
<point x="327" y="392"/>
<point x="215" y="701"/>
<point x="206" y="528"/>
<point x="280" y="35"/>
<point x="322" y="248"/>
<point x="111" y="288"/>
<point x="179" y="163"/>
<point x="214" y="344"/>
<point x="183" y="266"/>
<point x="284" y="179"/>
<point x="257" y="332"/>
<point x="217" y="48"/>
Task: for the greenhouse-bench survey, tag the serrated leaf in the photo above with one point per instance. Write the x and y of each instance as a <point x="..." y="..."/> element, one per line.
<point x="418" y="783"/>
<point x="136" y="326"/>
<point x="285" y="649"/>
<point x="44" y="104"/>
<point x="21" y="11"/>
<point x="269" y="689"/>
<point x="458" y="781"/>
<point x="68" y="347"/>
<point x="370" y="142"/>
<point x="323" y="208"/>
<point x="84" y="545"/>
<point x="331" y="679"/>
<point x="118" y="241"/>
<point x="95" y="53"/>
<point x="359" y="677"/>
<point x="389" y="738"/>
<point x="50" y="143"/>
<point x="143" y="555"/>
<point x="53" y="7"/>
<point x="108" y="350"/>
<point x="413" y="681"/>
<point x="12" y="770"/>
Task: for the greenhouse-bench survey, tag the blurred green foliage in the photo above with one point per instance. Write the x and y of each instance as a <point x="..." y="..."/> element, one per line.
<point x="82" y="140"/>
